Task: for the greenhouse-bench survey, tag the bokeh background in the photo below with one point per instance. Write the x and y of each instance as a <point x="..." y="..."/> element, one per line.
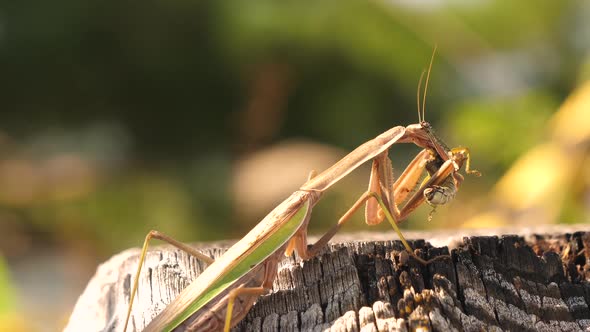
<point x="197" y="117"/>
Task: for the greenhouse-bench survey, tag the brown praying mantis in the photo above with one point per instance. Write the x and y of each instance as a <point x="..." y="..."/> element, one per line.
<point x="224" y="293"/>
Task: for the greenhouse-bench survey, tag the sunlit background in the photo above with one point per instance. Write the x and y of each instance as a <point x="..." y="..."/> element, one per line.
<point x="195" y="118"/>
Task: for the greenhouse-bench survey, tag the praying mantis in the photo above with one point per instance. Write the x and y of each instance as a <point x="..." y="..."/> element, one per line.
<point x="224" y="293"/>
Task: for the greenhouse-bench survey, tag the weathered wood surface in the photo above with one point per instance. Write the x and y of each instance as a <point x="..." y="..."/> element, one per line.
<point x="536" y="283"/>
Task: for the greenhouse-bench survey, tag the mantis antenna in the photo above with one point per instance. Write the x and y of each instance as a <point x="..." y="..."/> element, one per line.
<point x="427" y="79"/>
<point x="420" y="119"/>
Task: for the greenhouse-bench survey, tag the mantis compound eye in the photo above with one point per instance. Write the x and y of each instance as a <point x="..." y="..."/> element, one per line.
<point x="425" y="125"/>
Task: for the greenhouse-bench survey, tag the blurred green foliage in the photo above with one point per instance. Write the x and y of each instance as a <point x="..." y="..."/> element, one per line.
<point x="7" y="296"/>
<point x="170" y="82"/>
<point x="119" y="117"/>
<point x="174" y="78"/>
<point x="507" y="133"/>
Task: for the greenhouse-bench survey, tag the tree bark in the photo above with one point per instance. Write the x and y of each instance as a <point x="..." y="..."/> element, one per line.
<point x="517" y="283"/>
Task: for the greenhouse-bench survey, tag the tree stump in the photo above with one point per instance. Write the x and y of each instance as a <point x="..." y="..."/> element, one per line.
<point x="496" y="283"/>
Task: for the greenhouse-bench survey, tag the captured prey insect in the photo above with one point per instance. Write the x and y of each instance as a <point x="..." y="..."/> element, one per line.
<point x="224" y="293"/>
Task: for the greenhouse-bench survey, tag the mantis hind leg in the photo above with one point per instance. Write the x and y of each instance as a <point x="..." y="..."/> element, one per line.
<point x="163" y="237"/>
<point x="270" y="273"/>
<point x="233" y="294"/>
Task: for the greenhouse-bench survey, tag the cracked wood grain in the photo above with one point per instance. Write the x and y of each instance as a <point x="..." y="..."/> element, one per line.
<point x="491" y="283"/>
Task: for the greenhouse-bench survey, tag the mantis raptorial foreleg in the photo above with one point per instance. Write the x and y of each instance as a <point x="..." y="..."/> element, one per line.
<point x="381" y="201"/>
<point x="393" y="193"/>
<point x="305" y="253"/>
<point x="406" y="182"/>
<point x="439" y="188"/>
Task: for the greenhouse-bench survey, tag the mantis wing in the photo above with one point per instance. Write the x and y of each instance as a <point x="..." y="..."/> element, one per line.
<point x="270" y="235"/>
